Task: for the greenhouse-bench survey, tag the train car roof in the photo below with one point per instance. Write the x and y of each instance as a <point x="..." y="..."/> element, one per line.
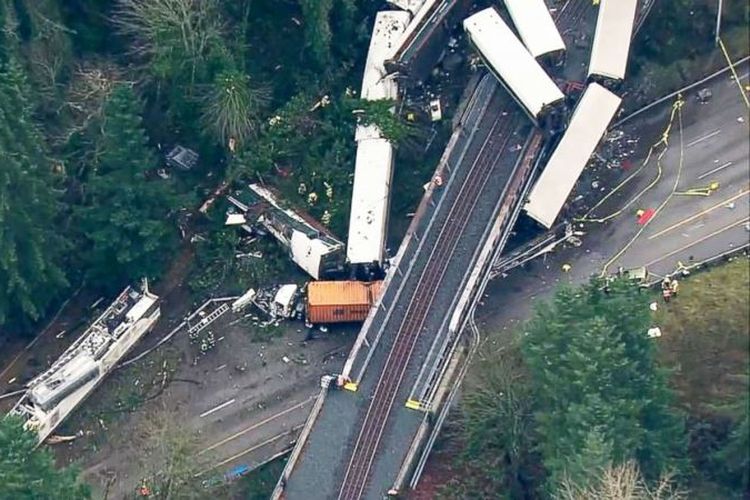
<point x="590" y="120"/>
<point x="611" y="46"/>
<point x="410" y="5"/>
<point x="387" y="31"/>
<point x="511" y="61"/>
<point x="535" y="25"/>
<point x="370" y="194"/>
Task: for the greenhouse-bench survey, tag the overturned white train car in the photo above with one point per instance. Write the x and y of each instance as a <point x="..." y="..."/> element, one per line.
<point x="54" y="394"/>
<point x="311" y="246"/>
<point x="611" y="45"/>
<point x="537" y="29"/>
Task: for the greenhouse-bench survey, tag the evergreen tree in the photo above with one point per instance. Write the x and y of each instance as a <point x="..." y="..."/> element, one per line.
<point x="732" y="461"/>
<point x="316" y="14"/>
<point x="600" y="397"/>
<point x="30" y="245"/>
<point x="498" y="426"/>
<point x="28" y="472"/>
<point x="125" y="217"/>
<point x="3" y="33"/>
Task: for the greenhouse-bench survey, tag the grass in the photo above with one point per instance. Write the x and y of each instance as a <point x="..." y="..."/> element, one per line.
<point x="705" y="344"/>
<point x="706" y="337"/>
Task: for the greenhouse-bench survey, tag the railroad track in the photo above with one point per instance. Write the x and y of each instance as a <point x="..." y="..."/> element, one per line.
<point x="365" y="449"/>
<point x="571" y="13"/>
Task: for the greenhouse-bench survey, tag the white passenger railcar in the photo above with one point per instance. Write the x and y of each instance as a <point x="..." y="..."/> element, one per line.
<point x="514" y="65"/>
<point x="373" y="169"/>
<point x="588" y="124"/>
<point x="611" y="46"/>
<point x="537" y="29"/>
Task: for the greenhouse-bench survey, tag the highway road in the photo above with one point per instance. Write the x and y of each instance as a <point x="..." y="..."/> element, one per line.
<point x="687" y="229"/>
<point x="701" y="200"/>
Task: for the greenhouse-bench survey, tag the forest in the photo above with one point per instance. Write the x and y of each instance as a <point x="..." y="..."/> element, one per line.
<point x="94" y="94"/>
<point x="580" y="404"/>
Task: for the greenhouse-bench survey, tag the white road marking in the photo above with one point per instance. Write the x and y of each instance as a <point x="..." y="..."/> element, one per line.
<point x="700" y="240"/>
<point x="689" y="230"/>
<point x="700" y="214"/>
<point x="268" y="441"/>
<point x="722" y="167"/>
<point x="217" y="408"/>
<point x="701" y="139"/>
<point x="258" y="424"/>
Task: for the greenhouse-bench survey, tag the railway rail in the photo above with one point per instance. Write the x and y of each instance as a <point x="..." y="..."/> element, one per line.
<point x="376" y="419"/>
<point x="366" y="449"/>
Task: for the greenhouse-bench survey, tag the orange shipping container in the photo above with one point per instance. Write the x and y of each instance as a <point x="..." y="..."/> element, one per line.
<point x="340" y="301"/>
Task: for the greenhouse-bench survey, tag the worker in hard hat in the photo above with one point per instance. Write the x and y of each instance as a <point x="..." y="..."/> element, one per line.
<point x="666" y="289"/>
<point x="674" y="285"/>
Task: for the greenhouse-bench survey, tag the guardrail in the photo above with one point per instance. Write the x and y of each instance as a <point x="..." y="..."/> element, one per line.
<point x="674" y="94"/>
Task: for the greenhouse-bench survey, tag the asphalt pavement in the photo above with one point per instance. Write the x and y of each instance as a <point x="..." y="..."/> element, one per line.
<point x="698" y="193"/>
<point x="711" y="147"/>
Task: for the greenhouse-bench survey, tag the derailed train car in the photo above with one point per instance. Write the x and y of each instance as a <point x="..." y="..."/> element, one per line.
<point x="516" y="69"/>
<point x="611" y="45"/>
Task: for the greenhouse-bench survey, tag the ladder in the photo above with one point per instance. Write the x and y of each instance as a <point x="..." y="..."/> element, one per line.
<point x="208" y="319"/>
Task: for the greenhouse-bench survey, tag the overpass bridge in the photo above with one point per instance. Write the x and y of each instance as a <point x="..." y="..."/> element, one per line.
<point x="361" y="436"/>
<point x="363" y="441"/>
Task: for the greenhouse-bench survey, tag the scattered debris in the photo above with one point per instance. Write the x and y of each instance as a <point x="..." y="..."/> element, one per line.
<point x="704" y="95"/>
<point x="55" y="439"/>
<point x="654" y="333"/>
<point x="436" y="112"/>
<point x="182" y="158"/>
<point x="234" y="219"/>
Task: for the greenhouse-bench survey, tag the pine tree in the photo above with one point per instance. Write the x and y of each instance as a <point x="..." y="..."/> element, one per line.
<point x="29" y="473"/>
<point x="316" y="14"/>
<point x="30" y="245"/>
<point x="498" y="426"/>
<point x="125" y="218"/>
<point x="600" y="396"/>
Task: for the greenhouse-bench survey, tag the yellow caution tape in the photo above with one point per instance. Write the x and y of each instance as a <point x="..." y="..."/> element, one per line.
<point x="734" y="73"/>
<point x="680" y="164"/>
<point x="700" y="191"/>
<point x="664" y="141"/>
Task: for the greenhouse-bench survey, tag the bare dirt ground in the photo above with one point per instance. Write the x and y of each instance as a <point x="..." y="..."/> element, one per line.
<point x="241" y="402"/>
